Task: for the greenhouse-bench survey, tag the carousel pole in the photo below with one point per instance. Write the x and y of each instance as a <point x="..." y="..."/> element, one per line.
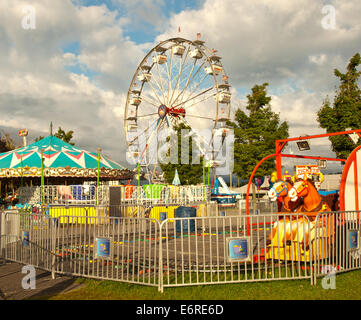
<point x="204" y="172"/>
<point x="99" y="150"/>
<point x="42" y="177"/>
<point x="204" y="179"/>
<point x="138" y="167"/>
<point x="208" y="173"/>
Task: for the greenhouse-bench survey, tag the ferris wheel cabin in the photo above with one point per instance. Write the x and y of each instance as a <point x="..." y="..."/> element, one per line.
<point x="215" y="65"/>
<point x="178" y="50"/>
<point x="224" y="96"/>
<point x="145" y="74"/>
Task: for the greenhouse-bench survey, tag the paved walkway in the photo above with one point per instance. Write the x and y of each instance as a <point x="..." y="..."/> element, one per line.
<point x="11" y="278"/>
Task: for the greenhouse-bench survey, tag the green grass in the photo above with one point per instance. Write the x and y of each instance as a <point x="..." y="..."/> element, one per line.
<point x="348" y="287"/>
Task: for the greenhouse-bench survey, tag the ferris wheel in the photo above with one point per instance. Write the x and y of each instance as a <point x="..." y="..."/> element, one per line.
<point x="178" y="82"/>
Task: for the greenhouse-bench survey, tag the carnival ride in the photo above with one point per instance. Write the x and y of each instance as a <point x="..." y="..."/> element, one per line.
<point x="178" y="82"/>
<point x="52" y="162"/>
<point x="302" y="197"/>
<point x="222" y="194"/>
<point x="55" y="158"/>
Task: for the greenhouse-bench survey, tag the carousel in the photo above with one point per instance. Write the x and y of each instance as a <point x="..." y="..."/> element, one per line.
<point x="51" y="161"/>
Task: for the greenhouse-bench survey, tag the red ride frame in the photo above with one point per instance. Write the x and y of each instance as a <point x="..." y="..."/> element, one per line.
<point x="280" y="144"/>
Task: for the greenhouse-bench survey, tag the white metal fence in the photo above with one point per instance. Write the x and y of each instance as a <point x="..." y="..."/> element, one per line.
<point x="90" y="195"/>
<point x="204" y="256"/>
<point x="337" y="235"/>
<point x="61" y="194"/>
<point x="160" y="249"/>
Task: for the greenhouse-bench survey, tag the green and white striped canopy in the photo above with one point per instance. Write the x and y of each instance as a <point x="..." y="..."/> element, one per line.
<point x="56" y="154"/>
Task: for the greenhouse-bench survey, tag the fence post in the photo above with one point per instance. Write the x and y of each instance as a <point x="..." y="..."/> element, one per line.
<point x="1" y="235"/>
<point x="310" y="248"/>
<point x="315" y="248"/>
<point x="86" y="222"/>
<point x="160" y="280"/>
<point x="53" y="246"/>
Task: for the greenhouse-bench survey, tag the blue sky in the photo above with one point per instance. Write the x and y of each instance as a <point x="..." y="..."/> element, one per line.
<point x="141" y="31"/>
<point x="138" y="30"/>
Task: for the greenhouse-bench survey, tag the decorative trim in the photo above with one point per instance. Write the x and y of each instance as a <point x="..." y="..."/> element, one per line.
<point x="66" y="172"/>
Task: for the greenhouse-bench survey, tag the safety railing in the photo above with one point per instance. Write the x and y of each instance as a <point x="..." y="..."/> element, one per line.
<point x="337" y="238"/>
<point x="214" y="250"/>
<point x="65" y="195"/>
<point x="136" y="195"/>
<point x="160" y="250"/>
<point x="27" y="238"/>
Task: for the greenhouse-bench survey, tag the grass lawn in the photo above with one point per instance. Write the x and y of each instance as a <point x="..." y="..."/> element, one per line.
<point x="348" y="287"/>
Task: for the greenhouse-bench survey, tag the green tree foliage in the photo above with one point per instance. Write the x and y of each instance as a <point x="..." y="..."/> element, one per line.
<point x="188" y="173"/>
<point x="65" y="136"/>
<point x="346" y="109"/>
<point x="39" y="138"/>
<point x="7" y="143"/>
<point x="255" y="133"/>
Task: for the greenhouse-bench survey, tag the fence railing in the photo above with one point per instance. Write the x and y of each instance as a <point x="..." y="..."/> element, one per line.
<point x="337" y="235"/>
<point x="90" y="195"/>
<point x="261" y="206"/>
<point x="216" y="250"/>
<point x="61" y="194"/>
<point x="157" y="248"/>
<point x="161" y="194"/>
<point x="27" y="239"/>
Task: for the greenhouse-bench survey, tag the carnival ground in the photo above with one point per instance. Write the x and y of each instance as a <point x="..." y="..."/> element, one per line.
<point x="347" y="288"/>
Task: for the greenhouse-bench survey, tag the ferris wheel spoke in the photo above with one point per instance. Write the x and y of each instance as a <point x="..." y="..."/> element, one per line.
<point x="197" y="86"/>
<point x="161" y="83"/>
<point x="143" y="132"/>
<point x="202" y="149"/>
<point x="169" y="69"/>
<point x="182" y="92"/>
<point x="200" y="117"/>
<point x="150" y="138"/>
<point x="150" y="100"/>
<point x="199" y="101"/>
<point x="182" y="63"/>
<point x="197" y="74"/>
<point x="154" y="91"/>
<point x="190" y="79"/>
<point x="199" y="94"/>
<point x="147" y="115"/>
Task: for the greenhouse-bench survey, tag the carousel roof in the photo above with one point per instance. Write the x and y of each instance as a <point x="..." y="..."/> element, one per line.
<point x="57" y="154"/>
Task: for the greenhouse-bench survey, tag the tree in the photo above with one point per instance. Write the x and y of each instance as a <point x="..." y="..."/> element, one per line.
<point x="39" y="138"/>
<point x="346" y="109"/>
<point x="65" y="136"/>
<point x="188" y="173"/>
<point x="7" y="143"/>
<point x="255" y="134"/>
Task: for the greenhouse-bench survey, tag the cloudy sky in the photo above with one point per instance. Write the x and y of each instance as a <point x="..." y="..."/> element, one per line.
<point x="74" y="66"/>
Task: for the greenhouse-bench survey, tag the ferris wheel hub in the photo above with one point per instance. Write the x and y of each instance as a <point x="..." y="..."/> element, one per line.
<point x="162" y="111"/>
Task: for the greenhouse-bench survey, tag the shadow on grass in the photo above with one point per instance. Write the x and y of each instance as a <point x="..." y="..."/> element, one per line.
<point x="347" y="288"/>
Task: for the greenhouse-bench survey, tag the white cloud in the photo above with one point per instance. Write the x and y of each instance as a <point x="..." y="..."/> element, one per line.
<point x="318" y="59"/>
<point x="38" y="88"/>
